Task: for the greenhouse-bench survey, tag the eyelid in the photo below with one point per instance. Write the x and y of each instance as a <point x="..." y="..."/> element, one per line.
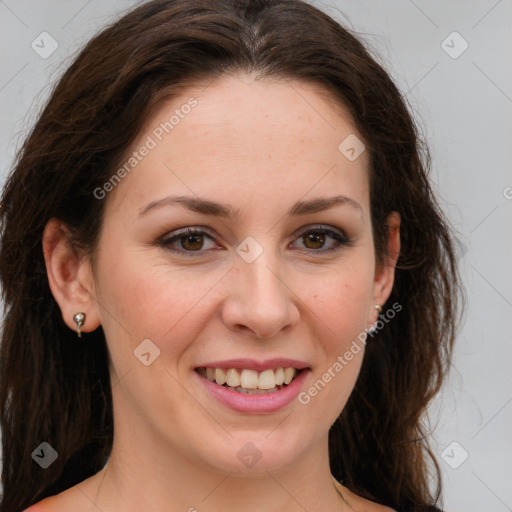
<point x="189" y="229"/>
<point x="336" y="234"/>
<point x="321" y="227"/>
<point x="173" y="236"/>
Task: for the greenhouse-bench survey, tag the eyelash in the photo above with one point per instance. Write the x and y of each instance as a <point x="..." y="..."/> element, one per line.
<point x="167" y="240"/>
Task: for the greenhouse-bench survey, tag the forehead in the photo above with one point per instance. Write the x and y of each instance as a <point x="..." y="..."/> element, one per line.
<point x="238" y="135"/>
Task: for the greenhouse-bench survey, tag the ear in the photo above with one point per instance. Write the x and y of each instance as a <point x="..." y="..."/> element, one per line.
<point x="385" y="270"/>
<point x="70" y="276"/>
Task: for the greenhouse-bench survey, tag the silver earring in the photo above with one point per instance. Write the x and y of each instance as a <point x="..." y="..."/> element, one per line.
<point x="79" y="320"/>
<point x="373" y="329"/>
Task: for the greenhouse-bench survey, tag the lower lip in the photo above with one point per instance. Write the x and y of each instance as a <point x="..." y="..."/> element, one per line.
<point x="255" y="404"/>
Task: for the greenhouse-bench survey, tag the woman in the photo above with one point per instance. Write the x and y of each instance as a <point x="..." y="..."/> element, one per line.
<point x="227" y="282"/>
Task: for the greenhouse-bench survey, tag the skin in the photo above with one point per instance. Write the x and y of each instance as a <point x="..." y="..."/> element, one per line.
<point x="259" y="146"/>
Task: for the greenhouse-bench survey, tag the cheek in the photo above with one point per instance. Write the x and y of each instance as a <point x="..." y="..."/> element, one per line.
<point x="341" y="307"/>
<point x="342" y="300"/>
<point x="145" y="297"/>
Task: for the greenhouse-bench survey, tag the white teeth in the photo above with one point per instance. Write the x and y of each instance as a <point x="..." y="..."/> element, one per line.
<point x="255" y="391"/>
<point x="250" y="380"/>
<point x="289" y="373"/>
<point x="233" y="378"/>
<point x="267" y="379"/>
<point x="220" y="376"/>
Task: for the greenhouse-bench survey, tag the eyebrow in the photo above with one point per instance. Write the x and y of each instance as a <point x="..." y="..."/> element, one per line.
<point x="207" y="207"/>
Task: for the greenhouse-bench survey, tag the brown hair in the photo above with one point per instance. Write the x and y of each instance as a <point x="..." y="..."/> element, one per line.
<point x="55" y="390"/>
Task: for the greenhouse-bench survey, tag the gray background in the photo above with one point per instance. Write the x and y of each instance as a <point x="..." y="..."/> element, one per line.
<point x="463" y="104"/>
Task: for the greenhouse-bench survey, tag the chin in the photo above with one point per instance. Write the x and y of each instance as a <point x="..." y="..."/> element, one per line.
<point x="256" y="453"/>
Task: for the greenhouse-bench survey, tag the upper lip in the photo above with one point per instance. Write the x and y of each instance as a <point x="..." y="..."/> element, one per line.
<point x="253" y="364"/>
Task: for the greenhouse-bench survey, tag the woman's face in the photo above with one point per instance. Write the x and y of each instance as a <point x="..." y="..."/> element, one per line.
<point x="279" y="271"/>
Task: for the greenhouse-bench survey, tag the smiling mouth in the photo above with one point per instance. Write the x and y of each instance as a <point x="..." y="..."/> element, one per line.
<point x="250" y="382"/>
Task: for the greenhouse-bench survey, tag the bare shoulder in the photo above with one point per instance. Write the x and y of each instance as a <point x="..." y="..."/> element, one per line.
<point x="42" y="506"/>
<point x="360" y="504"/>
<point x="79" y="498"/>
<point x="72" y="500"/>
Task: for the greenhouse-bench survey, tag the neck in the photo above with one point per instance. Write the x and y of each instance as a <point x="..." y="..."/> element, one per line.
<point x="145" y="476"/>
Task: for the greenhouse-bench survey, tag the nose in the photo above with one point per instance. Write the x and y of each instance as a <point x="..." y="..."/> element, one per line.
<point x="260" y="300"/>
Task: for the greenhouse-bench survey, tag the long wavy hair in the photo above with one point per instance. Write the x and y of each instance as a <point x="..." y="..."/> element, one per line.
<point x="55" y="390"/>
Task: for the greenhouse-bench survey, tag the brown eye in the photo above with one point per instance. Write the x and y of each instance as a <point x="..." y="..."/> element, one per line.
<point x="322" y="240"/>
<point x="314" y="240"/>
<point x="188" y="241"/>
<point x="192" y="242"/>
